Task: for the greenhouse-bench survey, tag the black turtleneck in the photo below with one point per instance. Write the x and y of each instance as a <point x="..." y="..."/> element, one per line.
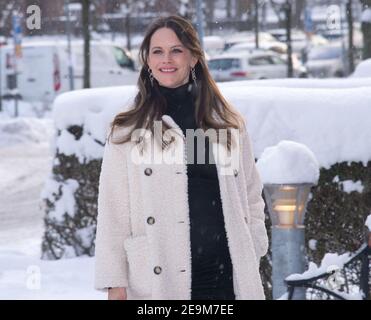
<point x="180" y="105"/>
<point x="181" y="108"/>
<point x="211" y="263"/>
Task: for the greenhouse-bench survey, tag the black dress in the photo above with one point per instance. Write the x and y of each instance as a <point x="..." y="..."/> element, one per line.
<point x="211" y="264"/>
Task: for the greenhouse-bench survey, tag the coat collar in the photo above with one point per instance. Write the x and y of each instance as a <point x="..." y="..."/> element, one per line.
<point x="173" y="125"/>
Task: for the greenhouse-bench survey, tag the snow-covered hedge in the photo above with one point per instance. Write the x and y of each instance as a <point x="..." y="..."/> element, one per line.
<point x="334" y="123"/>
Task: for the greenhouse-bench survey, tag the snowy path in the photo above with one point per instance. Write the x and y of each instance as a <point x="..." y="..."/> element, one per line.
<point x="24" y="165"/>
<point x="23" y="169"/>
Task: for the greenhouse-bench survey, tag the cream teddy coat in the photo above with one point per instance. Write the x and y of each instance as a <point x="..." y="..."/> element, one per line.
<point x="143" y="229"/>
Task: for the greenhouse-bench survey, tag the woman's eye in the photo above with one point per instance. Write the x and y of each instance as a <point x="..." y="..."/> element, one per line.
<point x="177" y="51"/>
<point x="156" y="51"/>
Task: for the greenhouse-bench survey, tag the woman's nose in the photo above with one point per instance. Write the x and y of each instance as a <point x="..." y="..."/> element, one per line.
<point x="167" y="57"/>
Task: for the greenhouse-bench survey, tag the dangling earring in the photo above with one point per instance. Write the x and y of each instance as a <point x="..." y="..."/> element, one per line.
<point x="193" y="72"/>
<point x="150" y="76"/>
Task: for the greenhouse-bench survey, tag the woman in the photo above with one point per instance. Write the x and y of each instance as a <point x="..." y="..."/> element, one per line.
<point x="185" y="229"/>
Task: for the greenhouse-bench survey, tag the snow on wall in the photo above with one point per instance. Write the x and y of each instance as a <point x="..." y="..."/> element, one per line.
<point x="334" y="124"/>
<point x="356" y="81"/>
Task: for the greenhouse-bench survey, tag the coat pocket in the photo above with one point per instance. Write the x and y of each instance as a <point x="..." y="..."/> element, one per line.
<point x="137" y="251"/>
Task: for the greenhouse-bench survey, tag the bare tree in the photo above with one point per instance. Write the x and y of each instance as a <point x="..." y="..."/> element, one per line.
<point x="86" y="35"/>
<point x="366" y="30"/>
<point x="298" y="10"/>
<point x="228" y="5"/>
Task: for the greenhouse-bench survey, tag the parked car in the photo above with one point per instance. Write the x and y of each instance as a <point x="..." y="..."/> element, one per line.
<point x="247" y="36"/>
<point x="255" y="64"/>
<point x="275" y="46"/>
<point x="299" y="68"/>
<point x="299" y="40"/>
<point x="326" y="61"/>
<point x="213" y="45"/>
<point x="42" y="71"/>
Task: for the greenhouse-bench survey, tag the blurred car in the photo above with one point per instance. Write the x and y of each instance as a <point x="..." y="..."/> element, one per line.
<point x="363" y="69"/>
<point x="213" y="45"/>
<point x="254" y="64"/>
<point x="277" y="47"/>
<point x="247" y="36"/>
<point x="43" y="69"/>
<point x="326" y="61"/>
<point x="299" y="40"/>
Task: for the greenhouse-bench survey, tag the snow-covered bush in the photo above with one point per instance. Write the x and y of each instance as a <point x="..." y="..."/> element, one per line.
<point x="70" y="193"/>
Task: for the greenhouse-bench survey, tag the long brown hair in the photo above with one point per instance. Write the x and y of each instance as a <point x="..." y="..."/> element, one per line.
<point x="150" y="104"/>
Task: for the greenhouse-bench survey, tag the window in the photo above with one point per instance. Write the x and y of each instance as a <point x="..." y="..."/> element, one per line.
<point x="277" y="60"/>
<point x="224" y="64"/>
<point x="122" y="59"/>
<point x="323" y="53"/>
<point x="260" y="61"/>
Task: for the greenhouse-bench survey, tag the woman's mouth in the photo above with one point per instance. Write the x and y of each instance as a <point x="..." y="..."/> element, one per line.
<point x="168" y="70"/>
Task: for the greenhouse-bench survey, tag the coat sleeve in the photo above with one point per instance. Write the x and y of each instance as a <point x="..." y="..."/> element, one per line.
<point x="254" y="197"/>
<point x="113" y="225"/>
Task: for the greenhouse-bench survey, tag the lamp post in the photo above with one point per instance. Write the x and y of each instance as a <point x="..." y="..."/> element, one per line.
<point x="286" y="204"/>
<point x="288" y="171"/>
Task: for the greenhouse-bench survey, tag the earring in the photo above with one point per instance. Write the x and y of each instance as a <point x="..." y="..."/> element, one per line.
<point x="193" y="72"/>
<point x="150" y="76"/>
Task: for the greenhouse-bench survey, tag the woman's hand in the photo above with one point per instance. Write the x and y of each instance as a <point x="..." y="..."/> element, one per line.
<point x="117" y="294"/>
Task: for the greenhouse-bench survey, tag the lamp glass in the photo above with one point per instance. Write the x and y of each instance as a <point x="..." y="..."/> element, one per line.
<point x="286" y="204"/>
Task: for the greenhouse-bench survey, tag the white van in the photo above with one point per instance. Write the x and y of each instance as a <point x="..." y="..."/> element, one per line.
<point x="43" y="68"/>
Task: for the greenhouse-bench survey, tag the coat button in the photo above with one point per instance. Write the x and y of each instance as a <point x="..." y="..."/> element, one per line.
<point x="157" y="270"/>
<point x="148" y="171"/>
<point x="150" y="220"/>
<point x="235" y="172"/>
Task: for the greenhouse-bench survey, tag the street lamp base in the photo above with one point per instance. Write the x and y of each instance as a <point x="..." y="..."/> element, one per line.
<point x="288" y="257"/>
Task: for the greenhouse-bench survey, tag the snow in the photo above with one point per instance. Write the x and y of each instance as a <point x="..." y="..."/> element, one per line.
<point x="25" y="276"/>
<point x="363" y="70"/>
<point x="91" y="108"/>
<point x="34" y="109"/>
<point x="312" y="243"/>
<point x="328" y="263"/>
<point x="350" y="186"/>
<point x="288" y="162"/>
<point x="330" y="83"/>
<point x="368" y="222"/>
<point x="24" y="130"/>
<point x="66" y="204"/>
<point x="25" y="162"/>
<point x="366" y="16"/>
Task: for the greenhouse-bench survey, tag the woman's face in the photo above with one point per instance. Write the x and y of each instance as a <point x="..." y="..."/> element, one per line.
<point x="168" y="59"/>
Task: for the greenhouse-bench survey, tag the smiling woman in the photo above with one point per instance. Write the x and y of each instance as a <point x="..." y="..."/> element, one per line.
<point x="190" y="230"/>
<point x="170" y="62"/>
